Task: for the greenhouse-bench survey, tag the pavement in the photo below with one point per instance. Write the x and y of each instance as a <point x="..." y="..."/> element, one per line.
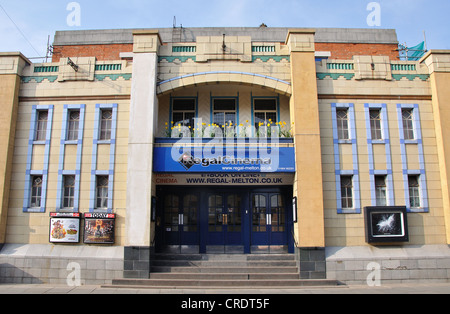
<point x="409" y="288"/>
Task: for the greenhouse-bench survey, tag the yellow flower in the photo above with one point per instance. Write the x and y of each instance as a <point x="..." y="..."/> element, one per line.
<point x="246" y="121"/>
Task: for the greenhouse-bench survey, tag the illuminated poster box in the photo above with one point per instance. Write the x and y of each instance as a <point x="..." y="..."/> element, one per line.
<point x="99" y="228"/>
<point x="64" y="228"/>
<point x="386" y="224"/>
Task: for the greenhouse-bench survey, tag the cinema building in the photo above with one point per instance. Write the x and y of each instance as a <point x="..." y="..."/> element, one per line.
<point x="321" y="145"/>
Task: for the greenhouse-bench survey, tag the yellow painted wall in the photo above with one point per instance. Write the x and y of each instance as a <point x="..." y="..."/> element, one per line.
<point x="438" y="63"/>
<point x="305" y="115"/>
<point x="9" y="91"/>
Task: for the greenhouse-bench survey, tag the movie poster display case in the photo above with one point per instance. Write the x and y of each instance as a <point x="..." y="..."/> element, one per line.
<point x="99" y="228"/>
<point x="64" y="228"/>
<point x="386" y="224"/>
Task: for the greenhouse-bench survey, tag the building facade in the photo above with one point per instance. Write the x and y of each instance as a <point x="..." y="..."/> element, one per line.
<point x="319" y="143"/>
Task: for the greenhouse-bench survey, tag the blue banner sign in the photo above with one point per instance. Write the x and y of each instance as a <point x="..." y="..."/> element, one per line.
<point x="204" y="159"/>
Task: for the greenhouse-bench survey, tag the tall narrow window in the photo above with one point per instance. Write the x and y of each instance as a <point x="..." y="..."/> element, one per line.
<point x="41" y="125"/>
<point x="408" y="126"/>
<point x="183" y="112"/>
<point x="73" y="125"/>
<point x="375" y="124"/>
<point x="102" y="192"/>
<point x="380" y="190"/>
<point x="36" y="191"/>
<point x="265" y="112"/>
<point x="414" y="191"/>
<point x="105" y="124"/>
<point x="342" y="124"/>
<point x="347" y="192"/>
<point x="224" y="112"/>
<point x="68" y="191"/>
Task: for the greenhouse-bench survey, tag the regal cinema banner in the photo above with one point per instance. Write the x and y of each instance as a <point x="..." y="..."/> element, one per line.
<point x="218" y="179"/>
<point x="210" y="159"/>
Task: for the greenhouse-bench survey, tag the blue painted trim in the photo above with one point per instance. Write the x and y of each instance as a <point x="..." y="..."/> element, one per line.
<point x="223" y="72"/>
<point x="337" y="164"/>
<point x="390" y="199"/>
<point x="44" y="173"/>
<point x="112" y="153"/>
<point x="422" y="172"/>
<point x="62" y="149"/>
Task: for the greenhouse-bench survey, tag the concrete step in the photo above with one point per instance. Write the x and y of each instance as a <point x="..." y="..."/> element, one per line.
<point x="225" y="276"/>
<point x="177" y="271"/>
<point x="224" y="263"/>
<point x="255" y="283"/>
<point x="219" y="270"/>
<point x="223" y="257"/>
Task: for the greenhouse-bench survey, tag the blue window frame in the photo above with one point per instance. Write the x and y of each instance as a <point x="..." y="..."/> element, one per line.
<point x="71" y="134"/>
<point x="40" y="134"/>
<point x="105" y="126"/>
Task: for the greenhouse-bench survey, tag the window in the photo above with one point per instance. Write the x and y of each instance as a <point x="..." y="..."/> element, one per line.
<point x="342" y="124"/>
<point x="347" y="192"/>
<point x="414" y="188"/>
<point x="102" y="192"/>
<point x="105" y="124"/>
<point x="68" y="191"/>
<point x="183" y="112"/>
<point x="408" y="128"/>
<point x="36" y="191"/>
<point x="73" y="125"/>
<point x="375" y="124"/>
<point x="380" y="190"/>
<point x="224" y="112"/>
<point x="265" y="112"/>
<point x="41" y="125"/>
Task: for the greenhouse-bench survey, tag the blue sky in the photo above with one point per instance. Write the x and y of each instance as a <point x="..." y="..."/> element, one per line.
<point x="38" y="19"/>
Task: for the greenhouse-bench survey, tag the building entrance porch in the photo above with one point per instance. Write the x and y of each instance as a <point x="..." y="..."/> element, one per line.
<point x="224" y="220"/>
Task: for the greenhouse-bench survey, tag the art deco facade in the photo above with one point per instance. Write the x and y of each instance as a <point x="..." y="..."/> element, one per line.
<point x="319" y="143"/>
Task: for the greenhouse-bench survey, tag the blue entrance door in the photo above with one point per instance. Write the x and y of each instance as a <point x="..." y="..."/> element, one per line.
<point x="181" y="219"/>
<point x="225" y="222"/>
<point x="268" y="220"/>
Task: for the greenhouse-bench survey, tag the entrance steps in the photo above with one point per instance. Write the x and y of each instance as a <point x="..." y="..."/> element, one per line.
<point x="176" y="271"/>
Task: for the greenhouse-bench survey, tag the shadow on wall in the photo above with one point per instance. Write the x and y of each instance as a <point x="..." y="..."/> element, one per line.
<point x="10" y="274"/>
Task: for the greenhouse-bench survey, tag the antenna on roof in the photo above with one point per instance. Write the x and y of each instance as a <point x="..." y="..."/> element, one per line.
<point x="176" y="31"/>
<point x="49" y="49"/>
<point x="425" y="40"/>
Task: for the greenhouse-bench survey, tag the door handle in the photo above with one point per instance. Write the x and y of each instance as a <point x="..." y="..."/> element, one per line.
<point x="225" y="219"/>
<point x="180" y="219"/>
<point x="269" y="219"/>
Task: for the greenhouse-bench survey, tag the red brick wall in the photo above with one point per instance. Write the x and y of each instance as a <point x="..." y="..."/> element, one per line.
<point x="347" y="51"/>
<point x="338" y="51"/>
<point x="101" y="52"/>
